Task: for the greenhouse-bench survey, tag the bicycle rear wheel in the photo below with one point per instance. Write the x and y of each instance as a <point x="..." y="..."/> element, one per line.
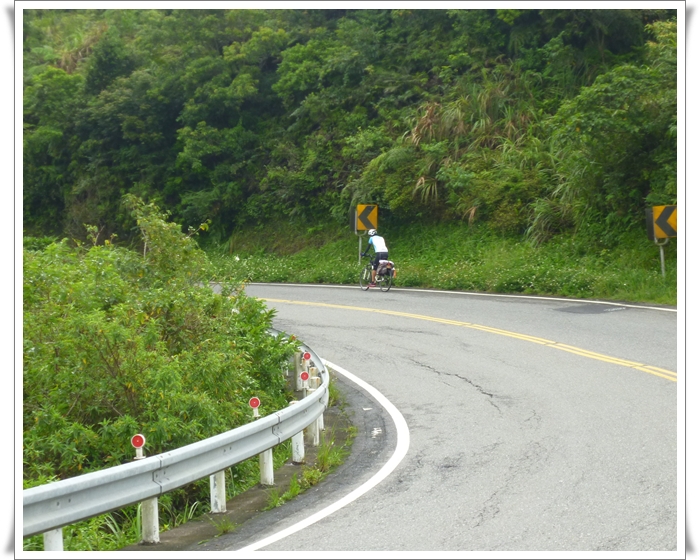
<point x="385" y="283"/>
<point x="366" y="277"/>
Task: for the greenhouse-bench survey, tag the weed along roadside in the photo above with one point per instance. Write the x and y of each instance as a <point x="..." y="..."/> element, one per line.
<point x="462" y="258"/>
<point x="290" y="480"/>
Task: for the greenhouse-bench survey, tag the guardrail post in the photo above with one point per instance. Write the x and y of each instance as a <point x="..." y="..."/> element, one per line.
<point x="315" y="384"/>
<point x="149" y="521"/>
<point x="297" y="370"/>
<point x="149" y="508"/>
<point x="267" y="473"/>
<point x="298" y="454"/>
<point x="217" y="488"/>
<point x="315" y="435"/>
<point x="306" y="361"/>
<point x="53" y="540"/>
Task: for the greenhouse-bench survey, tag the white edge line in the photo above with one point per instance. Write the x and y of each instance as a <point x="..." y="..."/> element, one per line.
<point x="481" y="294"/>
<point x="402" y="443"/>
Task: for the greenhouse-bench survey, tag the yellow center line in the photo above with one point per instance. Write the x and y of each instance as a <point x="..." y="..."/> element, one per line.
<point x="659" y="372"/>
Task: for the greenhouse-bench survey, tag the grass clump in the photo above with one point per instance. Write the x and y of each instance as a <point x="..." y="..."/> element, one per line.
<point x="329" y="456"/>
<point x="275" y="499"/>
<point x="223" y="525"/>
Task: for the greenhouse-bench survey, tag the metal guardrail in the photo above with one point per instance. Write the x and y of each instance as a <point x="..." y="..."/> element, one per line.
<point x="57" y="504"/>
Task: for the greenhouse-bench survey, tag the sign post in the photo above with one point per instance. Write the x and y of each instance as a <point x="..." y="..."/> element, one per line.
<point x="662" y="224"/>
<point x="359" y="248"/>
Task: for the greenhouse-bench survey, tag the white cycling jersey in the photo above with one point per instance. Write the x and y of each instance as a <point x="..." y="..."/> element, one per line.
<point x="377" y="241"/>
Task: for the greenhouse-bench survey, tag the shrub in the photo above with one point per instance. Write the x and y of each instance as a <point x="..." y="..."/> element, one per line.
<point x="119" y="341"/>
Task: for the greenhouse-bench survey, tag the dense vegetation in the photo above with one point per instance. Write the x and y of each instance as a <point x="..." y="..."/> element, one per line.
<point x="119" y="342"/>
<point x="530" y="122"/>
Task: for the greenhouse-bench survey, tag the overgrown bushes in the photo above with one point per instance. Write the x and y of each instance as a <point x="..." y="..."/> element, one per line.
<point x="121" y="341"/>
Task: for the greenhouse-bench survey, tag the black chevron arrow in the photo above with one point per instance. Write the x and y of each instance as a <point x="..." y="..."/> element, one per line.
<point x="662" y="221"/>
<point x="364" y="217"/>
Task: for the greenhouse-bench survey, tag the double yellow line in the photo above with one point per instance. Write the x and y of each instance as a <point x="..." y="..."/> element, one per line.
<point x="659" y="372"/>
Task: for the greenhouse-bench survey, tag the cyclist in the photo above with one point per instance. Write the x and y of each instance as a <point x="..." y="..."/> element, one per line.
<point x="381" y="252"/>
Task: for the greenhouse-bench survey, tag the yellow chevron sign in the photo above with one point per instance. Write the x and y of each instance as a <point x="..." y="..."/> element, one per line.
<point x="662" y="222"/>
<point x="366" y="216"/>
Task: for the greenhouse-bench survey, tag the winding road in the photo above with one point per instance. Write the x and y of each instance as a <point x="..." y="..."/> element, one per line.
<point x="513" y="423"/>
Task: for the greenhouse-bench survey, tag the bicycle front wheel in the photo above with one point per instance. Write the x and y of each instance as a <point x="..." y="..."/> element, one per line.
<point x="366" y="277"/>
<point x="385" y="284"/>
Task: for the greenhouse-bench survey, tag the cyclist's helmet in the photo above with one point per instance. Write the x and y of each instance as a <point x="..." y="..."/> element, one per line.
<point x="372" y="232"/>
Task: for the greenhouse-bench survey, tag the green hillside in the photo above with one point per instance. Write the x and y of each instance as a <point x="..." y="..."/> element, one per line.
<point x="542" y="132"/>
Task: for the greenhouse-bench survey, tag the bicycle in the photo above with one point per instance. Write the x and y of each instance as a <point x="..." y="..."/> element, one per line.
<point x="383" y="280"/>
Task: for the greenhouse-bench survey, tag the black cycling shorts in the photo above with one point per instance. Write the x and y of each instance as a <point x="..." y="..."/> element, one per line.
<point x="379" y="257"/>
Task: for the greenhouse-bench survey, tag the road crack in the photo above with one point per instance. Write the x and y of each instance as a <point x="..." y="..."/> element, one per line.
<point x="491" y="396"/>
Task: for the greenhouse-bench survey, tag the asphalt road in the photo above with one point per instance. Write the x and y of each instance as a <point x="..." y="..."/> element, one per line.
<point x="534" y="424"/>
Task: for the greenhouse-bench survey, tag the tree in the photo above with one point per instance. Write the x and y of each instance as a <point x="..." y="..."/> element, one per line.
<point x="50" y="104"/>
<point x="109" y="60"/>
<point x="615" y="143"/>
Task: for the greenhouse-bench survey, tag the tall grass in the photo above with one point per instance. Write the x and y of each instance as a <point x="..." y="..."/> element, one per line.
<point x="455" y="256"/>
